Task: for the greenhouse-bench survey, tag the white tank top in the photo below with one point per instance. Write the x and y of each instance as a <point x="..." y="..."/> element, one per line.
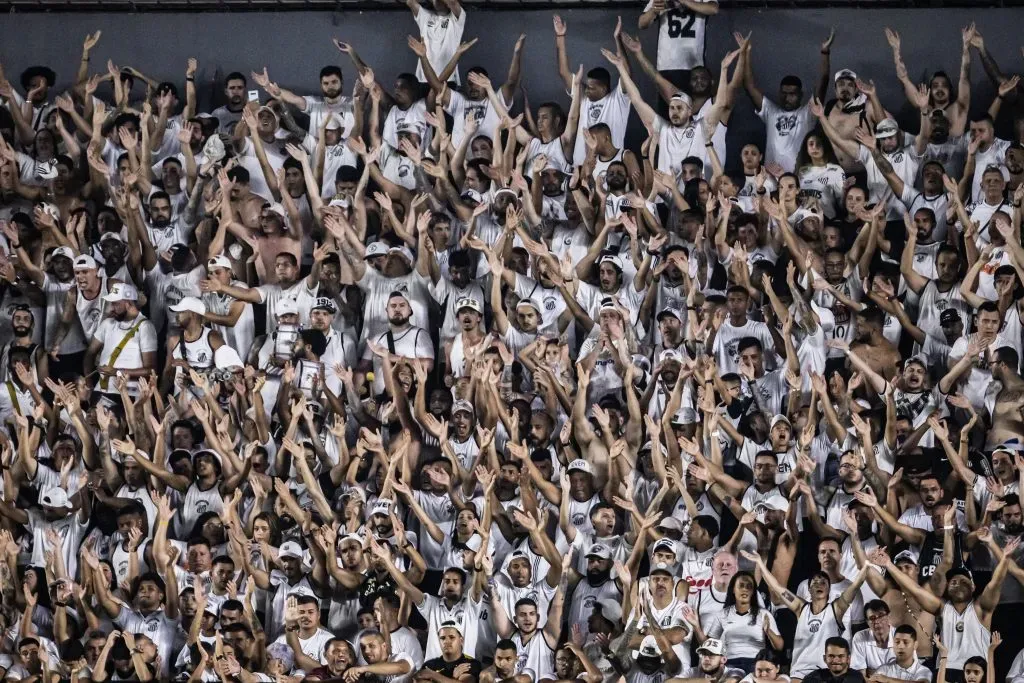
<point x="671" y="616"/>
<point x="585" y="597"/>
<point x="812" y="630"/>
<point x="708" y="604"/>
<point x="198" y="353"/>
<point x="963" y="634"/>
<point x="601" y="167"/>
<point x="536" y="655"/>
<point x="144" y="497"/>
<point x="196" y="503"/>
<point x="551" y="149"/>
<point x="466" y="451"/>
<point x="241" y="335"/>
<point x="90" y="311"/>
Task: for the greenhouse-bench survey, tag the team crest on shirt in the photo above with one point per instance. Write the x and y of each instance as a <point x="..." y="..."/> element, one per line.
<point x="579" y="519"/>
<point x="814" y="626"/>
<point x="549" y="303"/>
<point x="594" y="112"/>
<point x="202" y="506"/>
<point x="785" y="124"/>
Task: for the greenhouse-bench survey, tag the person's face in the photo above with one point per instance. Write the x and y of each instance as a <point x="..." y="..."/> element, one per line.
<point x="170" y="174"/>
<point x="700" y="82"/>
<point x="878" y="622"/>
<point x="266" y="122"/>
<point x="743" y="590"/>
<point x="615" y="177"/>
<point x="149" y="596"/>
<point x="330" y="86"/>
<point x="609" y="277"/>
<point x="849" y="470"/>
<point x="890" y="144"/>
<point x="7" y="177"/>
<point x="983" y="132"/>
<point x="481" y="147"/>
<point x="580" y="484"/>
<point x="947" y="266"/>
<point x="753" y="357"/>
<point x="837" y="659"/>
<point x="519" y="571"/>
<point x="526" y="618"/>
<point x="973" y="673"/>
<point x="321" y="319"/>
<point x="551" y="182"/>
<point x="441" y="233"/>
<point x="528" y="318"/>
<point x="451" y="642"/>
<point x="815" y="150"/>
<point x="781" y="434"/>
<point x="336" y="654"/>
<point x="737" y="303"/>
<point x="689" y="172"/>
<point x="230" y="617"/>
<point x="914" y="376"/>
<point x="373" y="648"/>
<point x="548" y="121"/>
<point x="790" y="97"/>
<point x="93" y="648"/>
<point x="199" y="557"/>
<point x="865" y="329"/>
<point x="903" y="645"/>
<point x="1014" y="161"/>
<point x="993" y="184"/>
<point x="405" y="93"/>
<point x="1013" y="519"/>
<point x="234" y="90"/>
<point x="924" y="224"/>
<point x="285" y="270"/>
<point x="119" y="310"/>
<point x="846" y="89"/>
<point x="125" y="523"/>
<point x="399" y="311"/>
<point x="21" y="322"/>
<point x="44" y="145"/>
<point x="678" y="112"/>
<point x="960" y="588"/>
<point x="564" y="661"/>
<point x="765" y="469"/>
<point x="462" y="421"/>
<point x="671" y="328"/>
<point x="603" y="521"/>
<point x="710" y="664"/>
<point x="988" y="323"/>
<point x="595" y="89"/>
<point x="505" y="662"/>
<point x="221" y="574"/>
<point x="309" y="616"/>
<point x="930" y="491"/>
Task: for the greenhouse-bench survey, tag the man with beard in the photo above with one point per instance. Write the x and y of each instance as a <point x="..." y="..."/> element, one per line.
<point x="679" y="137"/>
<point x="163" y="227"/>
<point x="837" y="664"/>
<point x="331" y="101"/>
<point x="457" y="286"/>
<point x="728" y="331"/>
<point x="612" y="283"/>
<point x="293" y="580"/>
<point x="341" y="347"/>
<point x="595" y="585"/>
<point x="985" y="152"/>
<point x="231" y="318"/>
<point x="667" y="371"/>
<point x="402" y="339"/>
<point x="966" y="620"/>
<point x="788" y="122"/>
<point x="124" y="344"/>
<point x="535" y="646"/>
<point x="459" y="603"/>
<point x="601" y="104"/>
<point x="710" y="667"/>
<point x="31" y="354"/>
<point x="230" y="113"/>
<point x="302" y="293"/>
<point x="55" y="284"/>
<point x="468" y="336"/>
<point x="851" y="109"/>
<point x="194" y="348"/>
<point x="383" y="663"/>
<point x="932" y="197"/>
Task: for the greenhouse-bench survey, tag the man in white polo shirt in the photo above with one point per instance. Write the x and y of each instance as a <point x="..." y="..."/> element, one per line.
<point x="402" y="339"/>
<point x="124" y="343"/>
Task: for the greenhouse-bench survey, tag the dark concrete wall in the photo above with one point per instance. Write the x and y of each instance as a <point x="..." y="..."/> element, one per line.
<point x="296" y="44"/>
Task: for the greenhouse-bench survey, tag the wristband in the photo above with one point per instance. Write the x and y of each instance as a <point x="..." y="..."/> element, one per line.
<point x="190" y="79"/>
<point x="762" y="191"/>
<point x="826" y="52"/>
<point x="707" y="144"/>
<point x="947" y="528"/>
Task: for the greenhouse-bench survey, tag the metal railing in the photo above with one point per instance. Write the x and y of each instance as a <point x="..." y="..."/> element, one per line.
<point x="16" y="6"/>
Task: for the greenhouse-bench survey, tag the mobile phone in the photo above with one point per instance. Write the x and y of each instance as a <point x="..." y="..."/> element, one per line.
<point x="254" y="95"/>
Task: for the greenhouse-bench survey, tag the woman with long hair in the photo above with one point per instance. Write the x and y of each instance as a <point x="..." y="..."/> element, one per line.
<point x="743" y="627"/>
<point x="821" y="176"/>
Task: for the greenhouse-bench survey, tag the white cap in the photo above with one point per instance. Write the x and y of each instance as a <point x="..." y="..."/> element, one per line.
<point x="403" y="252"/>
<point x="712" y="646"/>
<point x="121" y="291"/>
<point x="581" y="465"/>
<point x="600" y="550"/>
<point x="610" y="609"/>
<point x="226" y="357"/>
<point x="85" y="262"/>
<point x="55" y="498"/>
<point x="219" y="261"/>
<point x="376" y="249"/>
<point x="190" y="303"/>
<point x="468" y="302"/>
<point x="845" y="73"/>
<point x="290" y="549"/>
<point x="648" y="648"/>
<point x="886" y="128"/>
<point x="287" y="307"/>
<point x="275" y="207"/>
<point x="66" y="252"/>
<point x="381" y="507"/>
<point x="612" y="259"/>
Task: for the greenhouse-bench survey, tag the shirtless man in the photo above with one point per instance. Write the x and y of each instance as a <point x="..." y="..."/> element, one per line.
<point x="871" y="345"/>
<point x="506" y="654"/>
<point x="1005" y="398"/>
<point x="855" y="105"/>
<point x="904" y="608"/>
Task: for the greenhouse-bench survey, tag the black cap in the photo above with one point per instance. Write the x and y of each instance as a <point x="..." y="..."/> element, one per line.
<point x="948" y="317"/>
<point x="959" y="571"/>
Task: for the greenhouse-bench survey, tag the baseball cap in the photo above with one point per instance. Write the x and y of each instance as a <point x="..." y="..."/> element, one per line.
<point x="474" y="542"/>
<point x="450" y="624"/>
<point x="111" y="236"/>
<point x="608" y="304"/>
<point x="55" y="498"/>
<point x="332" y="123"/>
<point x="886" y="128"/>
<point x="580" y="465"/>
<point x="674" y="312"/>
<point x="85" y="261"/>
<point x="600" y="550"/>
<point x="66" y="252"/>
<point x="287" y="307"/>
<point x="612" y="259"/>
<point x="670" y="354"/>
<point x="948" y="317"/>
<point x="780" y="418"/>
<point x="375" y="249"/>
<point x="530" y="302"/>
<point x="919" y="358"/>
<point x="381" y="507"/>
<point x="324" y="303"/>
<point x="121" y="291"/>
<point x="610" y="609"/>
<point x="219" y="261"/>
<point x="959" y="571"/>
<point x="468" y="302"/>
<point x="648" y="648"/>
<point x="190" y="303"/>
<point x="290" y="549"/>
<point x="226" y="357"/>
<point x="845" y="73"/>
<point x="472" y="195"/>
<point x="664" y="544"/>
<point x="662" y="568"/>
<point x="803" y="214"/>
<point x="905" y="556"/>
<point x="712" y="646"/>
<point x="275" y="207"/>
<point x="670" y="523"/>
<point x="463" y="406"/>
<point x="682" y="97"/>
<point x="403" y="252"/>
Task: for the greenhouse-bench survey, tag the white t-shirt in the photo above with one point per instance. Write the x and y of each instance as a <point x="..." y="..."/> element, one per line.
<point x="825" y="183"/>
<point x="785" y="131"/>
<point x="612" y="110"/>
<point x="459" y="106"/>
<point x="742" y="634"/>
<point x="442" y="34"/>
<point x="111" y="333"/>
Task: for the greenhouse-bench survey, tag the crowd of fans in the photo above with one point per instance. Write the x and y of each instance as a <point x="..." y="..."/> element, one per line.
<point x="422" y="383"/>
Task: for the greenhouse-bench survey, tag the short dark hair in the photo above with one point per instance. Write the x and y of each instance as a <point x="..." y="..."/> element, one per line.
<point x="1008" y="355"/>
<point x="838" y="641"/>
<point x="907" y="630"/>
<point x="601" y="74"/>
<point x="307" y="600"/>
<point x="331" y="70"/>
<point x="238" y="174"/>
<point x="222" y="559"/>
<point x="232" y="605"/>
<point x="708" y="524"/>
<point x="877" y="605"/>
<point x="791" y="80"/>
<point x="747" y="343"/>
<point x="235" y="76"/>
<point x="504" y="644"/>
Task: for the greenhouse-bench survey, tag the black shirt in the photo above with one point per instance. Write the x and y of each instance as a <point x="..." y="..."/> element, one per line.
<point x="446" y="668"/>
<point x="825" y="676"/>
